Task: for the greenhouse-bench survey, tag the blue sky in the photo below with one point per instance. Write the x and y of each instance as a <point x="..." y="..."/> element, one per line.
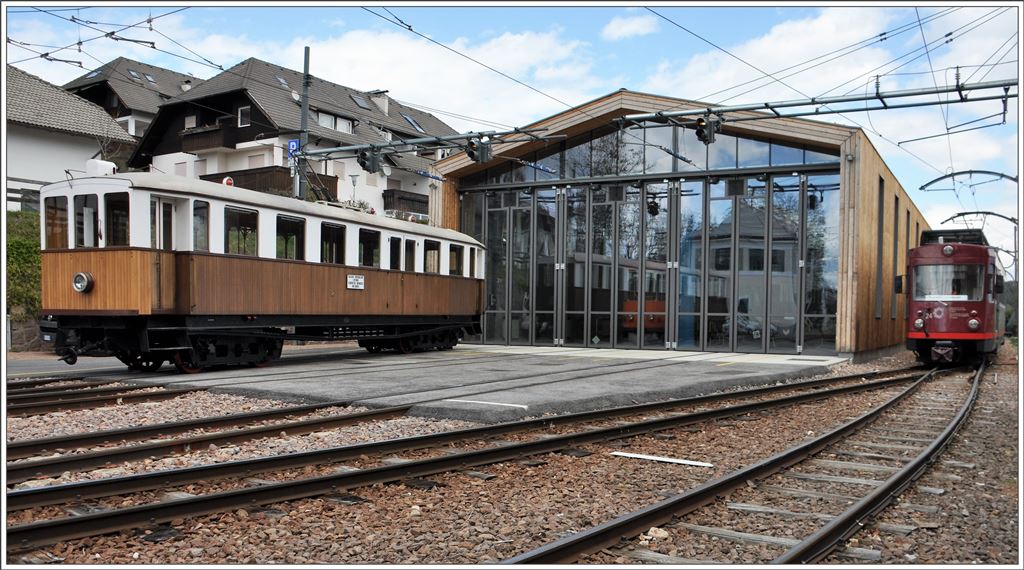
<point x="576" y="53"/>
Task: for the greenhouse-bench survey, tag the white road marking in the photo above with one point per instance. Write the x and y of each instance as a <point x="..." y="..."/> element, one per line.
<point x="488" y="403"/>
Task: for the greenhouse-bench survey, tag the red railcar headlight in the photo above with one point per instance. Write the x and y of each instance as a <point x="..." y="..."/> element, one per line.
<point x="973" y="324"/>
<point x="919" y="324"/>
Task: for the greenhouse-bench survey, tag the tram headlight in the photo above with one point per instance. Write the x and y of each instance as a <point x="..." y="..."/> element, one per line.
<point x="948" y="250"/>
<point x="919" y="324"/>
<point x="82" y="282"/>
<point x="973" y="324"/>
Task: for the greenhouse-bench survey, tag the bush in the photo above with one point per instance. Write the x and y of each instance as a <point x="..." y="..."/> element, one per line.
<point x="24" y="269"/>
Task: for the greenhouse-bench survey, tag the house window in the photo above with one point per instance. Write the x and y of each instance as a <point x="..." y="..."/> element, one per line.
<point x="895" y="253"/>
<point x="410" y="255"/>
<point x="241" y="231"/>
<point x="344" y="125"/>
<point x="360" y="100"/>
<point x="87" y="221"/>
<point x="117" y="218"/>
<point x="778" y="261"/>
<point x="134" y="74"/>
<point x="325" y="120"/>
<point x="255" y="160"/>
<point x="878" y="246"/>
<point x="112" y="100"/>
<point x="281" y="80"/>
<point x="93" y="74"/>
<point x="244" y="116"/>
<point x="369" y="248"/>
<point x="190" y="121"/>
<point x="756" y="259"/>
<point x="200" y="167"/>
<point x="722" y="256"/>
<point x="200" y="225"/>
<point x="431" y="256"/>
<point x="56" y="222"/>
<point x="332" y="243"/>
<point x="149" y="78"/>
<point x="291" y="238"/>
<point x="413" y="122"/>
<point x="455" y="260"/>
<point x="396" y="253"/>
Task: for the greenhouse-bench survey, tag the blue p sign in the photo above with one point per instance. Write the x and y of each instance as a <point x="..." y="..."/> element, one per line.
<point x="293" y="145"/>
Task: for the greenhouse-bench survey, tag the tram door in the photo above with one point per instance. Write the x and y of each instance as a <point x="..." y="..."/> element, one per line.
<point x="737" y="298"/>
<point x="161" y="223"/>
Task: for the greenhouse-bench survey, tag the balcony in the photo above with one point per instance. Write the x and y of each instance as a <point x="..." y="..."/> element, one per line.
<point x="408" y="202"/>
<point x="197" y="139"/>
<point x="272" y="180"/>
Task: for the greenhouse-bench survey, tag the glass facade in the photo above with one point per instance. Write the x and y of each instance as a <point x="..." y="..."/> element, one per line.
<point x="709" y="257"/>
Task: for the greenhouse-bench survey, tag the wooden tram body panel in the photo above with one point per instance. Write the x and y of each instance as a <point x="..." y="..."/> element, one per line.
<point x="137" y="281"/>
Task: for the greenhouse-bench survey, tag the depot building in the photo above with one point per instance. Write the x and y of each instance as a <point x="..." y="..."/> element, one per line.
<point x="782" y="235"/>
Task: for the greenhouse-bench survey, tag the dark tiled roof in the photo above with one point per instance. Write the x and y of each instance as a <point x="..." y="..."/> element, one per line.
<point x="36" y="103"/>
<point x="136" y="93"/>
<point x="274" y="97"/>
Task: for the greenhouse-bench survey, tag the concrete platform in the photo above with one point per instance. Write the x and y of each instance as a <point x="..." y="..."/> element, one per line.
<point x="494" y="383"/>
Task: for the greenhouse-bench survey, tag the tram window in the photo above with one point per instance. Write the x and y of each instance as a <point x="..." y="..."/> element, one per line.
<point x="56" y="222"/>
<point x="332" y="243"/>
<point x="200" y="225"/>
<point x="369" y="248"/>
<point x="117" y="218"/>
<point x="472" y="262"/>
<point x="241" y="231"/>
<point x="431" y="256"/>
<point x="410" y="255"/>
<point x="455" y="260"/>
<point x="87" y="221"/>
<point x="396" y="253"/>
<point x="291" y="238"/>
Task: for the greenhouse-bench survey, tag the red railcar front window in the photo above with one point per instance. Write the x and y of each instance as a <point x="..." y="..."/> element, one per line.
<point x="949" y="282"/>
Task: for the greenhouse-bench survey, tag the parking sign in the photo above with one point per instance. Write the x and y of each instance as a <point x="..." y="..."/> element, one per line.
<point x="293" y="145"/>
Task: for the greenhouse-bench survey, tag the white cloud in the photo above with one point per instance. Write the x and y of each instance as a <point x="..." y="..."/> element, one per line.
<point x="620" y="28"/>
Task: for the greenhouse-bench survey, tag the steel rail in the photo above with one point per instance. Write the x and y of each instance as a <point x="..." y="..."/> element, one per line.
<point x="38" y="408"/>
<point x="51" y="466"/>
<point x="55" y="530"/>
<point x="118" y="485"/>
<point x="42" y="388"/>
<point x="569" y="548"/>
<point x="41" y="381"/>
<point x="831" y="536"/>
<point x="18" y="472"/>
<point x="72" y="395"/>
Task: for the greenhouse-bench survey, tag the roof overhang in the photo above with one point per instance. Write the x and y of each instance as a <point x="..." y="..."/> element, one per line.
<point x="602" y="111"/>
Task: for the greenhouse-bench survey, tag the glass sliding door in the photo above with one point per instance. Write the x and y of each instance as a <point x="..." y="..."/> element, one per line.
<point x="576" y="243"/>
<point x="821" y="273"/>
<point x="691" y="269"/>
<point x="520" y="321"/>
<point x="718" y="318"/>
<point x="751" y="303"/>
<point x="784" y="296"/>
<point x="495" y="329"/>
<point x="602" y="251"/>
<point x="656" y="254"/>
<point x="628" y="252"/>
<point x="546" y="221"/>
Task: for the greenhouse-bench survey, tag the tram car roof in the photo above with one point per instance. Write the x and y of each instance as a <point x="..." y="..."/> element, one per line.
<point x="966" y="235"/>
<point x="243" y="196"/>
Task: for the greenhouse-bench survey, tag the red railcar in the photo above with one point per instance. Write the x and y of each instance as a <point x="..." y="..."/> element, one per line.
<point x="953" y="282"/>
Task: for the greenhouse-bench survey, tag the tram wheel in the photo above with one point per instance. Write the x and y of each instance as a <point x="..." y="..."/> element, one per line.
<point x="183" y="362"/>
<point x="147" y="363"/>
<point x="373" y="348"/>
<point x="405" y="346"/>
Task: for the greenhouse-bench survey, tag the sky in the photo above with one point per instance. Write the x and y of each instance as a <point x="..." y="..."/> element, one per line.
<point x="574" y="53"/>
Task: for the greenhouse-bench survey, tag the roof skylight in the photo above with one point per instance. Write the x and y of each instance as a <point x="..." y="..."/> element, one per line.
<point x="413" y="122"/>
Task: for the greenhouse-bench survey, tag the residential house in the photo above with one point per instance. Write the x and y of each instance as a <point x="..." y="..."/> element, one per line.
<point x="238" y="124"/>
<point x="51" y="134"/>
<point x="131" y="91"/>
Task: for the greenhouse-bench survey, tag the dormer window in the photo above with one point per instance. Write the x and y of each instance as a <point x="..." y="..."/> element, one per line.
<point x="190" y="121"/>
<point x="343" y="125"/>
<point x="325" y="120"/>
<point x="335" y="123"/>
<point x="244" y="116"/>
<point x="135" y="74"/>
<point x="413" y="122"/>
<point x="360" y="100"/>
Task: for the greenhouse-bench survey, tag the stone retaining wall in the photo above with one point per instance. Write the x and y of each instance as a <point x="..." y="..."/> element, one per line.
<point x="25" y="337"/>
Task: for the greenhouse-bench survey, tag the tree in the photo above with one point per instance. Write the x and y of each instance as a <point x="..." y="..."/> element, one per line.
<point x="23" y="265"/>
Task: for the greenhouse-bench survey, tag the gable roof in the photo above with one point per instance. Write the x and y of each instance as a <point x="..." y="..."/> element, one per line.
<point x="34" y="102"/>
<point x="136" y="93"/>
<point x="261" y="81"/>
<point x="601" y="111"/>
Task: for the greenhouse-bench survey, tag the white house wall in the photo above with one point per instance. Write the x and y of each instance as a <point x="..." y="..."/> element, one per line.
<point x="42" y="156"/>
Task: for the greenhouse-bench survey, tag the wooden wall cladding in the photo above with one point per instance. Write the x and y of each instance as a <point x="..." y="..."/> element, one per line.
<point x="234" y="285"/>
<point x="123" y="280"/>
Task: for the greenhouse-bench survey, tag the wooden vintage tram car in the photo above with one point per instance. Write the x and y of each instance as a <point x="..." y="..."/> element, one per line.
<point x="152" y="268"/>
<point x="954" y="279"/>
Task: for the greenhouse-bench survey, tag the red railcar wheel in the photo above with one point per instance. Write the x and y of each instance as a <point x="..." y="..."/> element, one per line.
<point x="184" y="363"/>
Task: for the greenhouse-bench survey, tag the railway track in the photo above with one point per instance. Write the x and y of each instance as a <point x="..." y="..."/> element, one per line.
<point x="895" y="443"/>
<point x="45" y="532"/>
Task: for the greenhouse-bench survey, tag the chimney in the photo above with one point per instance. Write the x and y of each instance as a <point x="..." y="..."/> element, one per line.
<point x="186" y="85"/>
<point x="380" y="98"/>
